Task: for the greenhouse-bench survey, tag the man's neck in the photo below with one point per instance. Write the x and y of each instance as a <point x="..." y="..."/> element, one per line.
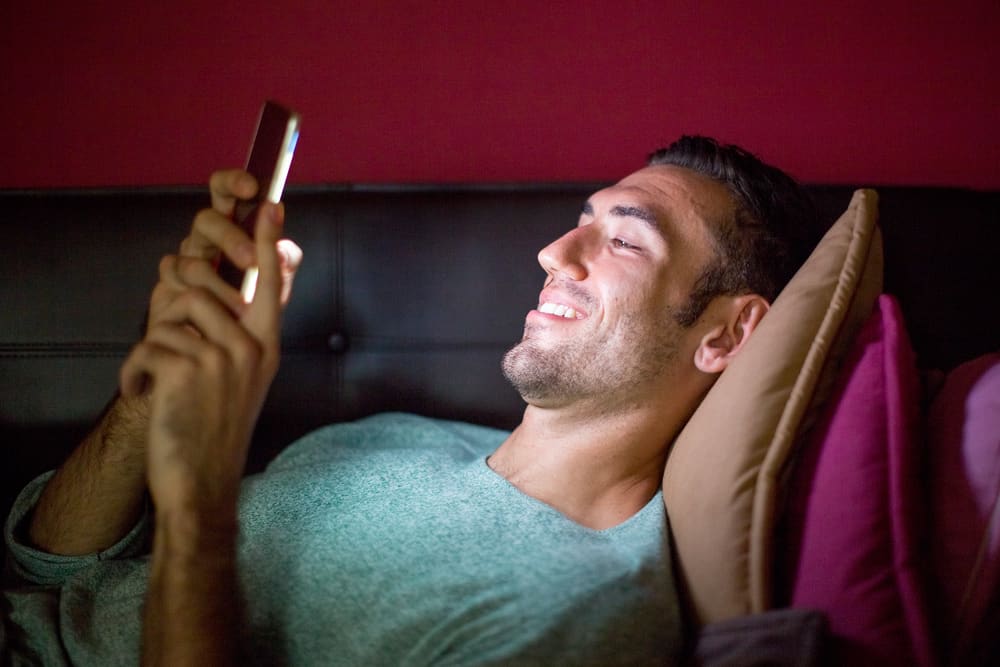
<point x="597" y="470"/>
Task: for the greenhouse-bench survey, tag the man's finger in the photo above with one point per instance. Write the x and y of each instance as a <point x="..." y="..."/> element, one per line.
<point x="229" y="185"/>
<point x="180" y="273"/>
<point x="211" y="318"/>
<point x="136" y="375"/>
<point x="267" y="299"/>
<point x="291" y="259"/>
<point x="211" y="233"/>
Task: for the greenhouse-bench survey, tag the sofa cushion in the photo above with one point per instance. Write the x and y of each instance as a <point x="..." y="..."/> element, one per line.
<point x="852" y="533"/>
<point x="721" y="477"/>
<point x="964" y="472"/>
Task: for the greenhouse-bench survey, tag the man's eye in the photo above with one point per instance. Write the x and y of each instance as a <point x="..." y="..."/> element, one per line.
<point x="625" y="245"/>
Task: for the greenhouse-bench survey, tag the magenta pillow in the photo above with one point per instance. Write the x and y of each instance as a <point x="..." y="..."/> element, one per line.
<point x="964" y="445"/>
<point x="850" y="541"/>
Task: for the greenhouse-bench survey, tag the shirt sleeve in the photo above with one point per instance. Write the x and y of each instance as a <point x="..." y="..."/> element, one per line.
<point x="29" y="565"/>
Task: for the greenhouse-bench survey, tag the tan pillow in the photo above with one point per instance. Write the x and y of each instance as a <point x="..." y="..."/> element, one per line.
<point x="721" y="478"/>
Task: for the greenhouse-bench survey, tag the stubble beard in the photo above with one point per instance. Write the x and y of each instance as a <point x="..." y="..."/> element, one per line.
<point x="604" y="371"/>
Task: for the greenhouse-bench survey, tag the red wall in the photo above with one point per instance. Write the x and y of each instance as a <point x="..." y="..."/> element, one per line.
<point x="111" y="94"/>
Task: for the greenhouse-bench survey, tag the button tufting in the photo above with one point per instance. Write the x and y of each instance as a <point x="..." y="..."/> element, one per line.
<point x="337" y="342"/>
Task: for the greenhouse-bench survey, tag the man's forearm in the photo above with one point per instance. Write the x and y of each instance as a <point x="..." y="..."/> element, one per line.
<point x="192" y="606"/>
<point x="96" y="497"/>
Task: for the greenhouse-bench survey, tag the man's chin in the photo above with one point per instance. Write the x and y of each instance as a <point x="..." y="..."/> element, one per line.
<point x="521" y="370"/>
<point x="537" y="385"/>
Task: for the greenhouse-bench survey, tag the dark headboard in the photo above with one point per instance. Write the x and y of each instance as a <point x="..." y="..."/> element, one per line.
<point x="407" y="299"/>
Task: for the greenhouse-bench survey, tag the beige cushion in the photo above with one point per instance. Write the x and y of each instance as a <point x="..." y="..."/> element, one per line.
<point x="721" y="479"/>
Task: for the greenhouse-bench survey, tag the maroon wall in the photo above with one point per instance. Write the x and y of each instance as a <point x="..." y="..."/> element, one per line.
<point x="107" y="93"/>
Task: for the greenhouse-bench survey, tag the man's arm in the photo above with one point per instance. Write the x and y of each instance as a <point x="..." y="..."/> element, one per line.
<point x="97" y="495"/>
<point x="95" y="498"/>
<point x="206" y="370"/>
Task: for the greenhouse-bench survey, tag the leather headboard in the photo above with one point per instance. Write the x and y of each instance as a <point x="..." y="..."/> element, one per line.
<point x="407" y="300"/>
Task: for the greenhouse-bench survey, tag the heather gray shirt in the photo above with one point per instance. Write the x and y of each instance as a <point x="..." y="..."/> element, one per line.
<point x="387" y="541"/>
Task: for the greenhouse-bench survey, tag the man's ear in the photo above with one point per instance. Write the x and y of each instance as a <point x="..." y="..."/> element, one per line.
<point x="736" y="319"/>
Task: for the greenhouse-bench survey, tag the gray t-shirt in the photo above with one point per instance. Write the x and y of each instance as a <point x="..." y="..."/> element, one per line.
<point x="387" y="541"/>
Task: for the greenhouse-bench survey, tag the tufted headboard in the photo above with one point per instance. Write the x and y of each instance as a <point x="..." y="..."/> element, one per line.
<point x="407" y="300"/>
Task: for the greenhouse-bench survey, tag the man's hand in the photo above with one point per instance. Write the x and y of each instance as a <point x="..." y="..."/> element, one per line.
<point x="212" y="235"/>
<point x="207" y="361"/>
<point x="97" y="495"/>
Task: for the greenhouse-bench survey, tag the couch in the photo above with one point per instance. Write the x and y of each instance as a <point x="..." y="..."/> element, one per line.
<point x="410" y="294"/>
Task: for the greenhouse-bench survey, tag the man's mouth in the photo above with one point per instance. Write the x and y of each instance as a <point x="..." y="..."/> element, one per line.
<point x="560" y="310"/>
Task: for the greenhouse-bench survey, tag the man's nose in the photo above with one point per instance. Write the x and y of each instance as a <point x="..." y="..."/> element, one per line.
<point x="566" y="255"/>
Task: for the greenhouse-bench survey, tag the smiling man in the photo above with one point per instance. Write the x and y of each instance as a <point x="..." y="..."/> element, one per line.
<point x="605" y="359"/>
<point x="400" y="539"/>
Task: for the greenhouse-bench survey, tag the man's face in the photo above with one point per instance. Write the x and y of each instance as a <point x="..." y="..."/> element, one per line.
<point x="604" y="328"/>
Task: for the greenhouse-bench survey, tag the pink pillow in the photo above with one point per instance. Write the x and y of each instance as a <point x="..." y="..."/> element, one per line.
<point x="964" y="433"/>
<point x="853" y="510"/>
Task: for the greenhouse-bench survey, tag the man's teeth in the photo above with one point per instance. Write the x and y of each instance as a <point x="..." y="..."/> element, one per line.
<point x="558" y="309"/>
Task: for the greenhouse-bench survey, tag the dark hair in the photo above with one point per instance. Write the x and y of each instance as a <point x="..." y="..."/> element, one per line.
<point x="773" y="229"/>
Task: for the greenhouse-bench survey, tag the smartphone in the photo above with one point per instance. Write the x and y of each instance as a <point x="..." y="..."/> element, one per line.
<point x="269" y="160"/>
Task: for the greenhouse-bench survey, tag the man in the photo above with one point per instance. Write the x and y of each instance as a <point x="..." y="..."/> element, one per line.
<point x="399" y="539"/>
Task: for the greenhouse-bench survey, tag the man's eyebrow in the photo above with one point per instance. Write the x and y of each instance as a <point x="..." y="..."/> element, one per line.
<point x="637" y="212"/>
